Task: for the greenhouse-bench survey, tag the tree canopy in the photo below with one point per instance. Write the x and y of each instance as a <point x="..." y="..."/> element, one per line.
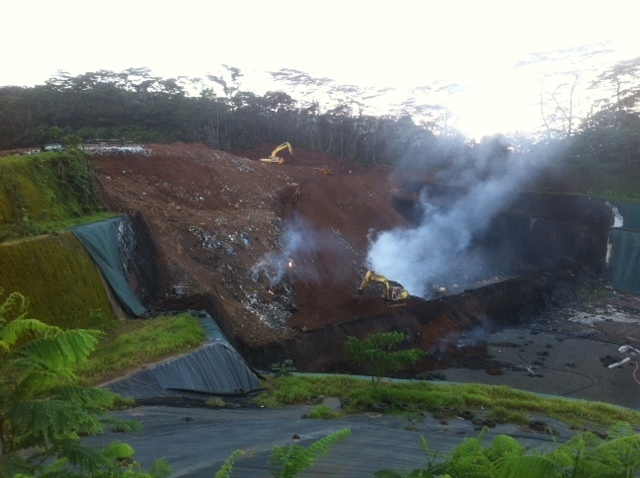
<point x="138" y="106"/>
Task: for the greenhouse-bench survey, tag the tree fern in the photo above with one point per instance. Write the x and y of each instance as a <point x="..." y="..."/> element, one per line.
<point x="586" y="455"/>
<point x="43" y="411"/>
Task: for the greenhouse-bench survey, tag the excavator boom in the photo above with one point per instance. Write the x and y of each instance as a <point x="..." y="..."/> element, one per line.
<point x="392" y="290"/>
<point x="274" y="158"/>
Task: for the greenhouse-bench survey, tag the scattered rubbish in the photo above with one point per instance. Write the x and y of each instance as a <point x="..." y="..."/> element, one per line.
<point x="466" y="414"/>
<point x="104" y="150"/>
<point x="538" y="425"/>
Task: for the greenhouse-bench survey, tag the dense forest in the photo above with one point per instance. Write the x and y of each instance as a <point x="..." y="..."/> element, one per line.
<point x="136" y="106"/>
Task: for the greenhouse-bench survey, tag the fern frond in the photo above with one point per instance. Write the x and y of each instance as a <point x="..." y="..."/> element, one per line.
<point x="12" y="464"/>
<point x="322" y="446"/>
<point x="43" y="422"/>
<point x="87" y="397"/>
<point x="619" y="453"/>
<point x="118" y="450"/>
<point x="160" y="469"/>
<point x="468" y="447"/>
<point x="15" y="306"/>
<point x="118" y="425"/>
<point x="469" y="459"/>
<point x="60" y="348"/>
<point x="292" y="459"/>
<point x="35" y="384"/>
<point x="621" y="429"/>
<point x="227" y="466"/>
<point x="527" y="467"/>
<point x="504" y="446"/>
<point x="89" y="460"/>
<point x="388" y="474"/>
<point x="13" y="331"/>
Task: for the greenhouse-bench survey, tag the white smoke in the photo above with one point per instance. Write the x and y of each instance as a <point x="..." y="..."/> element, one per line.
<point x="299" y="241"/>
<point x="439" y="250"/>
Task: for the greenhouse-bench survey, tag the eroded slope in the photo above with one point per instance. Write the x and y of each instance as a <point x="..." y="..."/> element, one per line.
<point x="271" y="249"/>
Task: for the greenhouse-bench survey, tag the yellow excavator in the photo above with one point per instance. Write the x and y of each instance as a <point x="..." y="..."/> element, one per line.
<point x="274" y="154"/>
<point x="392" y="290"/>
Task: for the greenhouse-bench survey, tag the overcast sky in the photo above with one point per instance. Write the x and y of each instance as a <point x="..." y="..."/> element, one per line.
<point x="401" y="43"/>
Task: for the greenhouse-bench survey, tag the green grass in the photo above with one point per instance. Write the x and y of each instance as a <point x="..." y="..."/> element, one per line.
<point x="131" y="343"/>
<point x="73" y="294"/>
<point x="497" y="402"/>
<point x="323" y="412"/>
<point x="46" y="192"/>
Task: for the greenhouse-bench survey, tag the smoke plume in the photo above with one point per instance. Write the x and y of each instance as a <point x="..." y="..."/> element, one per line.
<point x="300" y="244"/>
<point x="440" y="249"/>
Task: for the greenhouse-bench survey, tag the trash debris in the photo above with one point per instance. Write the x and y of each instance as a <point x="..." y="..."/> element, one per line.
<point x="104" y="150"/>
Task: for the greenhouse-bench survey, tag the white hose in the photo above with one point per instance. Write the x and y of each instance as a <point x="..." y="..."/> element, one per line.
<point x="622" y="362"/>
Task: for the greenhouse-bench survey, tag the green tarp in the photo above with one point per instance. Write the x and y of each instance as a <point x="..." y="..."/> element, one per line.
<point x="625" y="260"/>
<point x="630" y="212"/>
<point x="101" y="240"/>
<point x="625" y="248"/>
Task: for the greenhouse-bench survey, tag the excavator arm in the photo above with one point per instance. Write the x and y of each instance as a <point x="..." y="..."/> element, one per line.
<point x="392" y="290"/>
<point x="274" y="154"/>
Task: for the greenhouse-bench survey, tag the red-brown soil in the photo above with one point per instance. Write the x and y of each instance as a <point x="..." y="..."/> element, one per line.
<point x="215" y="216"/>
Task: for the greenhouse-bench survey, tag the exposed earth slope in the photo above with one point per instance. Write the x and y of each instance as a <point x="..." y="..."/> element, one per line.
<point x="275" y="252"/>
<point x="225" y="223"/>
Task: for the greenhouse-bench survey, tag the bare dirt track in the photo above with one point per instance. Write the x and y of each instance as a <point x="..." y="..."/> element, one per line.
<point x="275" y="253"/>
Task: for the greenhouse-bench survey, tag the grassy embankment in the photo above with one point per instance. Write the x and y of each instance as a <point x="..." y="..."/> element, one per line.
<point x="497" y="403"/>
<point x="45" y="193"/>
<point x="130" y="344"/>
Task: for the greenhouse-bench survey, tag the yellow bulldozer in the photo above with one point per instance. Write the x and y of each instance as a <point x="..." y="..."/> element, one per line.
<point x="391" y="290"/>
<point x="274" y="158"/>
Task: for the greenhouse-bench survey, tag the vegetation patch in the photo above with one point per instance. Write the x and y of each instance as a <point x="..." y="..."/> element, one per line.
<point x="132" y="342"/>
<point x="499" y="403"/>
<point x="60" y="278"/>
<point x="41" y="191"/>
<point x="44" y="412"/>
<point x="585" y="455"/>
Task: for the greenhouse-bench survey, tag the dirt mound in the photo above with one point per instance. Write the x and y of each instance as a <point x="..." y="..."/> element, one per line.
<point x="224" y="224"/>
